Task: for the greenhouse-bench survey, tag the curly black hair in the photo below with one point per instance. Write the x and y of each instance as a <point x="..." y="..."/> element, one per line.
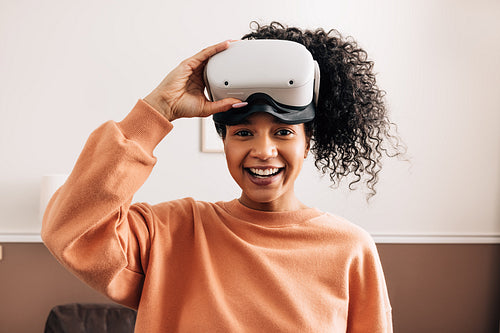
<point x="351" y="130"/>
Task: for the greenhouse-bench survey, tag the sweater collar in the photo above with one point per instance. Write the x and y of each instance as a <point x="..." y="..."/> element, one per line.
<point x="269" y="219"/>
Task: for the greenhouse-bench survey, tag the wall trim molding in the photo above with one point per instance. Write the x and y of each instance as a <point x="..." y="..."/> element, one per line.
<point x="25" y="237"/>
<point x="437" y="238"/>
<point x="379" y="238"/>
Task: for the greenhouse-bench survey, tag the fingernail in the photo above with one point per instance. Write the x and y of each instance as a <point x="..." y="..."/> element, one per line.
<point x="239" y="105"/>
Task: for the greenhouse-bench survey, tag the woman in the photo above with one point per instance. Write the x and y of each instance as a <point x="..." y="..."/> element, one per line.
<point x="262" y="263"/>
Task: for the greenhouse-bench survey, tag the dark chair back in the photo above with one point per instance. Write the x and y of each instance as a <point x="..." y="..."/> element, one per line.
<point x="90" y="318"/>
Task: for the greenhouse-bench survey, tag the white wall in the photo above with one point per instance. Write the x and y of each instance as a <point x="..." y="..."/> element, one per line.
<point x="68" y="66"/>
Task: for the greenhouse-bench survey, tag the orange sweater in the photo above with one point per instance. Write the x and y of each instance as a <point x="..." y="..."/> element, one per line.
<point x="191" y="266"/>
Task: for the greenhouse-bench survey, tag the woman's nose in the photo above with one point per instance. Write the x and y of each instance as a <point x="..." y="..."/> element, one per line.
<point x="264" y="148"/>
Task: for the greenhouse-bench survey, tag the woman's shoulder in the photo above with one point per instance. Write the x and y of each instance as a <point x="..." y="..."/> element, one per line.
<point x="345" y="231"/>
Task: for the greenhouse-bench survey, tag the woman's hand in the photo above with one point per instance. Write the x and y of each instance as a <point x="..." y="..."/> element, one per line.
<point x="180" y="94"/>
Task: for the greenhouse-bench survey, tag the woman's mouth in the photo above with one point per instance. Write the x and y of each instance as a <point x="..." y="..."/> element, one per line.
<point x="263" y="177"/>
<point x="264" y="173"/>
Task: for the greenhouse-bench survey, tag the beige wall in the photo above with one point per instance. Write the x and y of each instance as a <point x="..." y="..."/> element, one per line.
<point x="433" y="288"/>
<point x="69" y="66"/>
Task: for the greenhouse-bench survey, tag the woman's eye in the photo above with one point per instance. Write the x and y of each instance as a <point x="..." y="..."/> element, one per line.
<point x="284" y="132"/>
<point x="243" y="133"/>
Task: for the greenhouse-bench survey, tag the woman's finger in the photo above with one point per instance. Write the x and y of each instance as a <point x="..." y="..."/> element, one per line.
<point x="202" y="56"/>
<point x="219" y="106"/>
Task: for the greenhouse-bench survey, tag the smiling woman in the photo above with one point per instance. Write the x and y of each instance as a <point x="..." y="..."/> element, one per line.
<point x="265" y="157"/>
<point x="264" y="262"/>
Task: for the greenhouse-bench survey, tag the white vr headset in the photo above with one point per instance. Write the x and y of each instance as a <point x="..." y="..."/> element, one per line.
<point x="275" y="76"/>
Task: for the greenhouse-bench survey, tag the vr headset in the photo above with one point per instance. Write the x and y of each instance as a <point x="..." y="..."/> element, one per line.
<point x="275" y="76"/>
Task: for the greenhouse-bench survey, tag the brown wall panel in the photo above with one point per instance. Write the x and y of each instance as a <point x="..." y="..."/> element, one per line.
<point x="443" y="287"/>
<point x="31" y="283"/>
<point x="433" y="288"/>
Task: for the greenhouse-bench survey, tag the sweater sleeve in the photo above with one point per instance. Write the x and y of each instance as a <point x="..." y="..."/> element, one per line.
<point x="89" y="225"/>
<point x="369" y="305"/>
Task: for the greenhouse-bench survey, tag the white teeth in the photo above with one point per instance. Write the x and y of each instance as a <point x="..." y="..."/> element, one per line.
<point x="264" y="172"/>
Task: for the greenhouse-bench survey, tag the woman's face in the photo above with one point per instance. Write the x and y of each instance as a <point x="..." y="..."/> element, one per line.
<point x="265" y="156"/>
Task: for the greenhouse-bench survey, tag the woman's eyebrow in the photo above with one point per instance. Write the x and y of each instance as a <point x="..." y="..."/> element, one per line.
<point x="245" y="121"/>
<point x="278" y="121"/>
